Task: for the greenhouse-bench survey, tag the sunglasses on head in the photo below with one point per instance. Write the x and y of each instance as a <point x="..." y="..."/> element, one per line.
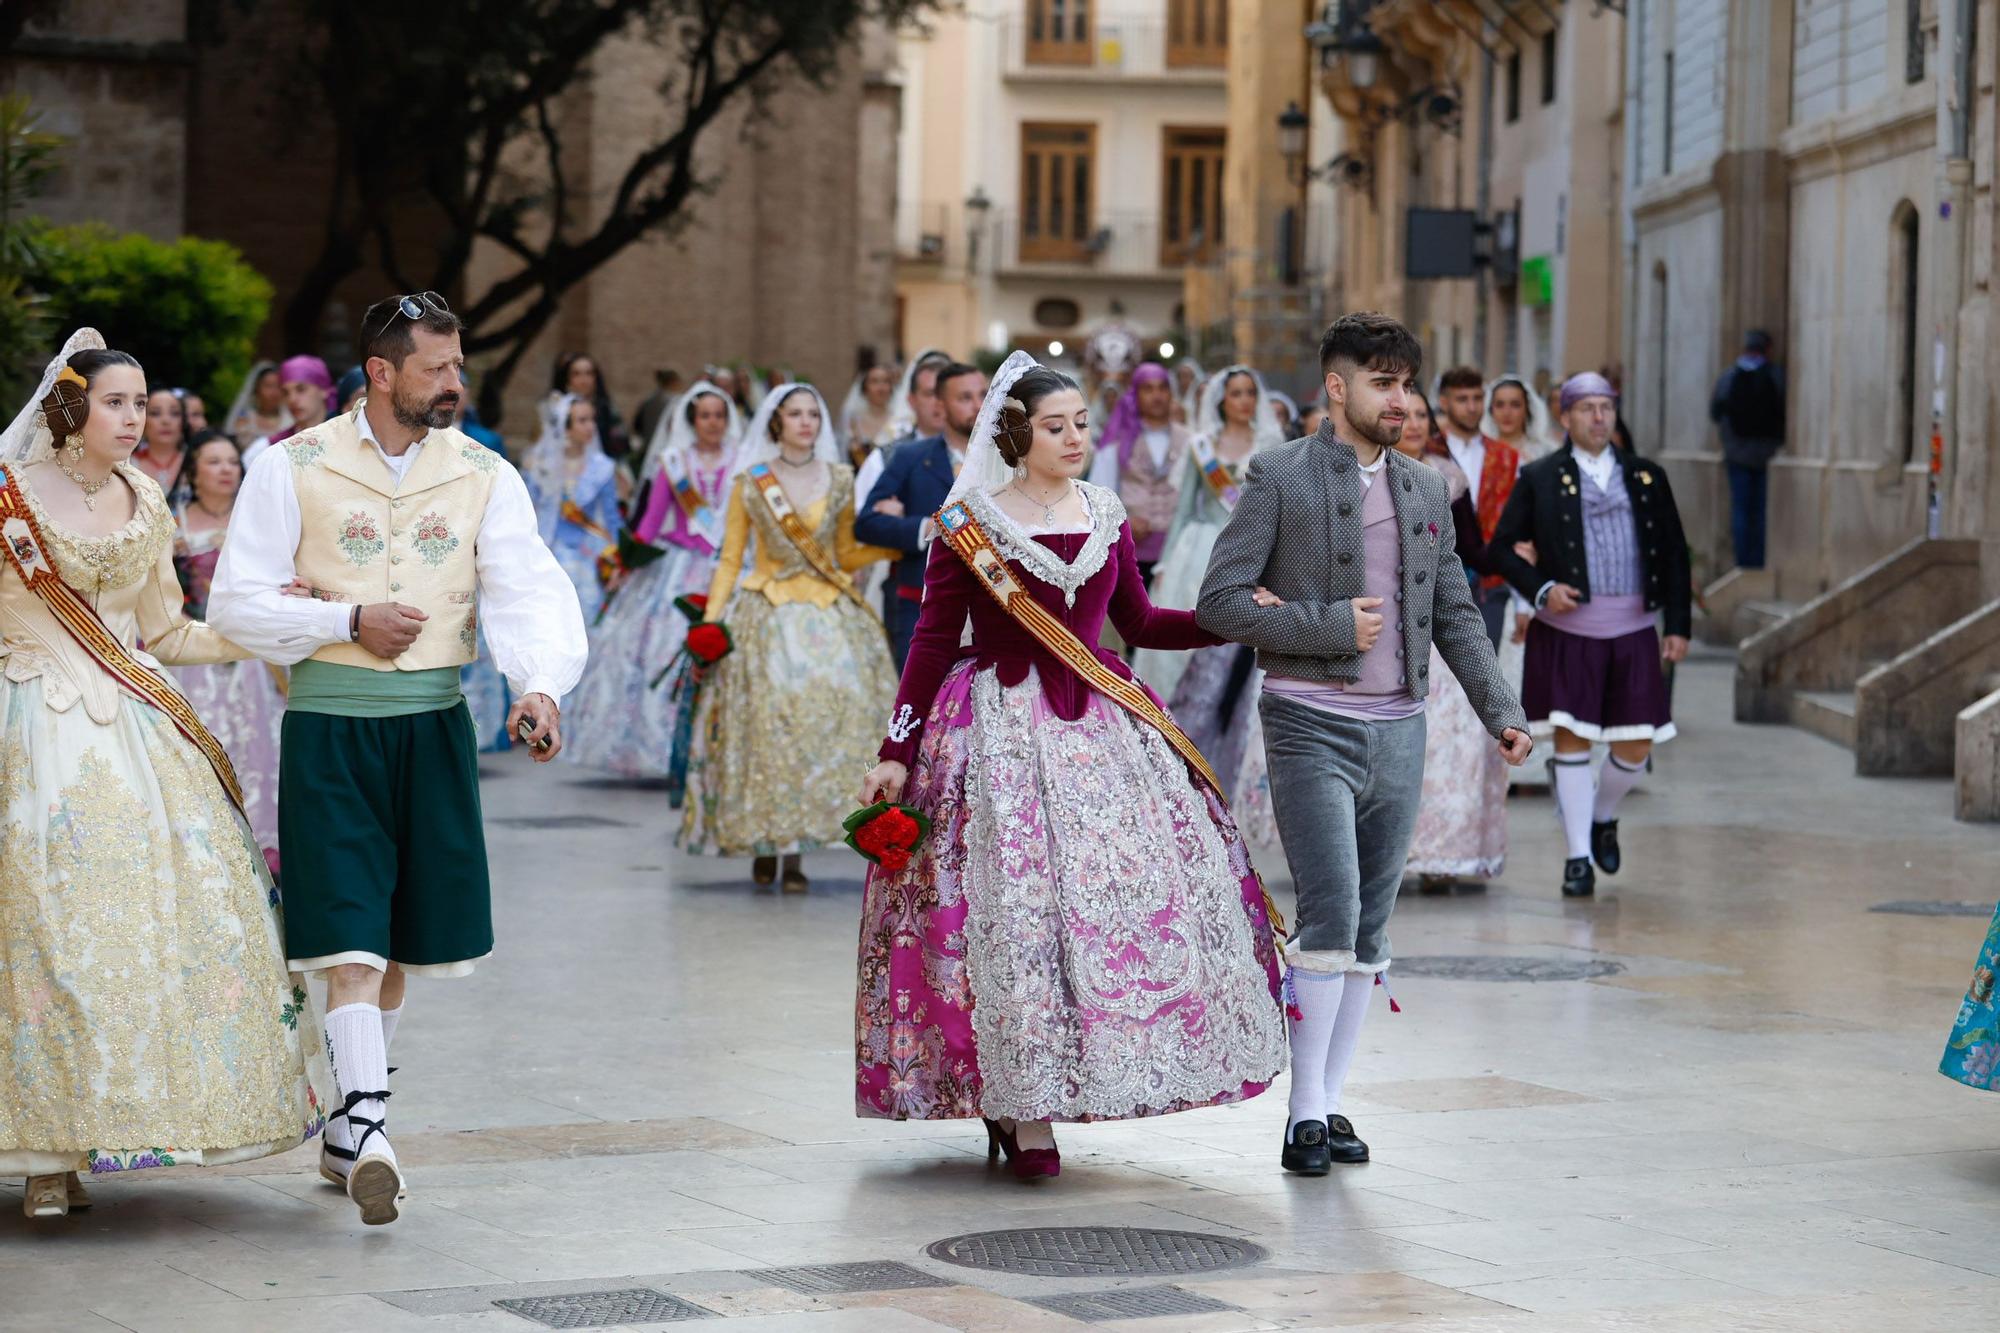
<point x="413" y="307"/>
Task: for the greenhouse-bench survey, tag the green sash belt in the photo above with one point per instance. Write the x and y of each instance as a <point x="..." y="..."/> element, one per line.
<point x="351" y="691"/>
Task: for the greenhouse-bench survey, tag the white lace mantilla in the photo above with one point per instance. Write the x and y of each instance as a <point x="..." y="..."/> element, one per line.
<point x="1107" y="516"/>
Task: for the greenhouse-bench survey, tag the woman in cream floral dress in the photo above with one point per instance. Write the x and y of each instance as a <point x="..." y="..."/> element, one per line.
<point x="146" y="1016"/>
<point x="788" y="718"/>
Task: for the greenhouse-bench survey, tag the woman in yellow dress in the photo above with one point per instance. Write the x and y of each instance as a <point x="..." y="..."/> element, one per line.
<point x="786" y="718"/>
<point x="146" y="1016"/>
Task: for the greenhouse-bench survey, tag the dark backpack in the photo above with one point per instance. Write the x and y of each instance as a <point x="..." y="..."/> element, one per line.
<point x="1755" y="405"/>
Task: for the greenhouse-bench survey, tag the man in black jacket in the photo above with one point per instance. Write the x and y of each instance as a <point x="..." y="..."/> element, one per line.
<point x="1610" y="557"/>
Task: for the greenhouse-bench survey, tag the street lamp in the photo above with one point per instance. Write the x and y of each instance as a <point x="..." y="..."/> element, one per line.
<point x="1343" y="31"/>
<point x="977" y="206"/>
<point x="1292" y="125"/>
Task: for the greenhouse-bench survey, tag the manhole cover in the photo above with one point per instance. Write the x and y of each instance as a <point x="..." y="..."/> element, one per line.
<point x="1097" y="1307"/>
<point x="564" y="821"/>
<point x="1494" y="967"/>
<point x="1094" y="1251"/>
<point x="601" y="1309"/>
<point x="1920" y="908"/>
<point x="828" y="1279"/>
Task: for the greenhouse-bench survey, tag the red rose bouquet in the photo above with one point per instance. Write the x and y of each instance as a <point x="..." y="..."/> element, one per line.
<point x="887" y="834"/>
<point x="706" y="645"/>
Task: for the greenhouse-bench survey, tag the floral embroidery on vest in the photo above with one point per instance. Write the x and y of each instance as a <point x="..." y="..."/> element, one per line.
<point x="477" y="454"/>
<point x="360" y="538"/>
<point x="305" y="450"/>
<point x="434" y="539"/>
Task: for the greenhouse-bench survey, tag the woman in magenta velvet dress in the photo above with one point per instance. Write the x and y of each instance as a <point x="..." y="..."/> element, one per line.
<point x="1081" y="937"/>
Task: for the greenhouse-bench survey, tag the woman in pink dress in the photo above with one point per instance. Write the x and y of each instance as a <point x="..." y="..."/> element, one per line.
<point x="622" y="722"/>
<point x="1082" y="936"/>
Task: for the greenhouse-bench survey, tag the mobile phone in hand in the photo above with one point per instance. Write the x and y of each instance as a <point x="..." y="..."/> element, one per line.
<point x="527" y="729"/>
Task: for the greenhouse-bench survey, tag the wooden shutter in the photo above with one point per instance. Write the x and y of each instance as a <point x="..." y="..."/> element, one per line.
<point x="1058" y="190"/>
<point x="1059" y="32"/>
<point x="1191" y="195"/>
<point x="1197" y="34"/>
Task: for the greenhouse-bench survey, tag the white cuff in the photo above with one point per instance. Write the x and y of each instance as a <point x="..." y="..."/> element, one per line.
<point x="544" y="685"/>
<point x="1542" y="593"/>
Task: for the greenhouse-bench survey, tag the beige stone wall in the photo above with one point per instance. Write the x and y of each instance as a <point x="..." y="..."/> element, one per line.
<point x="111" y="77"/>
<point x="768" y="266"/>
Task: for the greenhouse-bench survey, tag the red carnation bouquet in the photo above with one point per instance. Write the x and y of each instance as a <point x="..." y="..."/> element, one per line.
<point x="887" y="834"/>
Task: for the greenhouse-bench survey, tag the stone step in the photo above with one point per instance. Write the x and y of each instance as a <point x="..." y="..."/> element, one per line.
<point x="1754" y="616"/>
<point x="1827" y="713"/>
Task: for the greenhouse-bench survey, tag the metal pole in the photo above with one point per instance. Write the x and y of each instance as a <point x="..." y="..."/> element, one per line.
<point x="1955" y="34"/>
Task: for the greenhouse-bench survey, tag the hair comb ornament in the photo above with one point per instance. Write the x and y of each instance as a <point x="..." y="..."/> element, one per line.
<point x="69" y="375"/>
<point x="1017" y="405"/>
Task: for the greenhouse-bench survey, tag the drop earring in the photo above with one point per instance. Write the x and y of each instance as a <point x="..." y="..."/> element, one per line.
<point x="73" y="447"/>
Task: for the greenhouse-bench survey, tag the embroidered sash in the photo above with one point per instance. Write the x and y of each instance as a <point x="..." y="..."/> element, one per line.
<point x="31" y="560"/>
<point x="1216" y="474"/>
<point x="801" y="536"/>
<point x="1497" y="472"/>
<point x="572" y="512"/>
<point x="702" y="519"/>
<point x="961" y="531"/>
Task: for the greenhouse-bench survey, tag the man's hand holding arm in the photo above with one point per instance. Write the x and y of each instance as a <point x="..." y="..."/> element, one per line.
<point x="1228" y="603"/>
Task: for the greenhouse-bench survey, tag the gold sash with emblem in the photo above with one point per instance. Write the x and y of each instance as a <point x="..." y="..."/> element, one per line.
<point x="794" y="527"/>
<point x="30" y="558"/>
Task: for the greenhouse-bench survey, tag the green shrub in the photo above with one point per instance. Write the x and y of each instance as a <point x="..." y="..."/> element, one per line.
<point x="188" y="309"/>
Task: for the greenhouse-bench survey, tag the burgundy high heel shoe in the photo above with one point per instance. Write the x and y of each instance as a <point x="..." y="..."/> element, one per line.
<point x="1024" y="1163"/>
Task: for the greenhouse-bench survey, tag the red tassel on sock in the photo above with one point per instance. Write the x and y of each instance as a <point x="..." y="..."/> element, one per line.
<point x="1383" y="981"/>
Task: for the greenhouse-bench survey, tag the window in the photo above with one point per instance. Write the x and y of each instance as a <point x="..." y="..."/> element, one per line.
<point x="1059" y="32"/>
<point x="1191" y="203"/>
<point x="1057" y="189"/>
<point x="1667" y="120"/>
<point x="1548" y="67"/>
<point x="1513" y="87"/>
<point x="1905" y="272"/>
<point x="1913" y="41"/>
<point x="1197" y="34"/>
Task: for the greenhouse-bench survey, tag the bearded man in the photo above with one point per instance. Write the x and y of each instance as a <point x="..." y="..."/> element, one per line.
<point x="1339" y="567"/>
<point x="405" y="536"/>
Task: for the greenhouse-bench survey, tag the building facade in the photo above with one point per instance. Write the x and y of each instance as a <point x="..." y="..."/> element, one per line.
<point x="1510" y="113"/>
<point x="1061" y="167"/>
<point x="787" y="262"/>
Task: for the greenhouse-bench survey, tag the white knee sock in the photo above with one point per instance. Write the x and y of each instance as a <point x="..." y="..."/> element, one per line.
<point x="1574" y="795"/>
<point x="360" y="1064"/>
<point x="1316" y="1005"/>
<point x="390" y="1017"/>
<point x="1613" y="781"/>
<point x="1354" y="997"/>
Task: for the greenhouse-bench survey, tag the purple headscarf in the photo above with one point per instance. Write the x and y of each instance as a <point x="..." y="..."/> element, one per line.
<point x="1126" y="425"/>
<point x="309" y="370"/>
<point x="1589" y="384"/>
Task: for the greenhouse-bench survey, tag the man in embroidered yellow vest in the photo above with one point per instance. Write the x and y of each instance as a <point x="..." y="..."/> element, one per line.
<point x="403" y="531"/>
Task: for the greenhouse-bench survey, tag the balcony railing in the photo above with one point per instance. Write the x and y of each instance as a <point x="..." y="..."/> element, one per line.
<point x="1113" y="245"/>
<point x="1116" y="48"/>
<point x="932" y="233"/>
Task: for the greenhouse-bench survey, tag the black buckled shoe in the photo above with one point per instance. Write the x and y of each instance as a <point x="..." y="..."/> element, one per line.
<point x="1342" y="1145"/>
<point x="1604" y="845"/>
<point x="1579" y="879"/>
<point x="1306" y="1151"/>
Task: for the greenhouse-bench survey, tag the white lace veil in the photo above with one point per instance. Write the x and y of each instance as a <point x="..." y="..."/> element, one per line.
<point x="547" y="463"/>
<point x="246" y="399"/>
<point x="27" y="439"/>
<point x="673" y="437"/>
<point x="759" y="447"/>
<point x="985" y="471"/>
<point x="1208" y="418"/>
<point x="903" y="417"/>
<point x="1539" y="438"/>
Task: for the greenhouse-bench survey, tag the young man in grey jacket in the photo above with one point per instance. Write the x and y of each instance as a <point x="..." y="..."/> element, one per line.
<point x="1338" y="567"/>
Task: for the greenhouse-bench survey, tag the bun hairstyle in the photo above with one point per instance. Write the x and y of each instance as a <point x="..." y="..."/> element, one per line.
<point x="67" y="406"/>
<point x="1016" y="431"/>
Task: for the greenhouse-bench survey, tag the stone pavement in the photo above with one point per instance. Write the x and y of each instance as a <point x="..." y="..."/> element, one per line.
<point x="1731" y="1123"/>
